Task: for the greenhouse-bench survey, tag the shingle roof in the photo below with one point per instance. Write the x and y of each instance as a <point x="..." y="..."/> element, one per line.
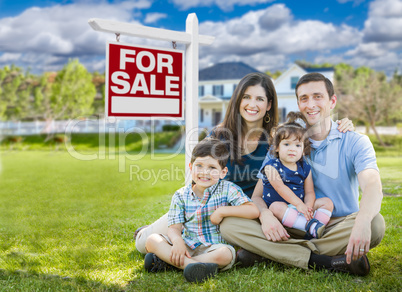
<point x="225" y="71"/>
<point x="318" y="69"/>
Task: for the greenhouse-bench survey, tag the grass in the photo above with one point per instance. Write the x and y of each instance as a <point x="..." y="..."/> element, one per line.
<point x="67" y="225"/>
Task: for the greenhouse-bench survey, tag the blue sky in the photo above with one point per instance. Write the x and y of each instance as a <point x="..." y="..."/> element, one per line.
<point x="266" y="34"/>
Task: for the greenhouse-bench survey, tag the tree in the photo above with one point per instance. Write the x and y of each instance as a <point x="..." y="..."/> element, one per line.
<point x="274" y="75"/>
<point x="99" y="103"/>
<point x="73" y="91"/>
<point x="67" y="94"/>
<point x="10" y="81"/>
<point x="366" y="95"/>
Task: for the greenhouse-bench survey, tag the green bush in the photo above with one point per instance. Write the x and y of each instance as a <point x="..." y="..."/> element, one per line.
<point x="168" y="128"/>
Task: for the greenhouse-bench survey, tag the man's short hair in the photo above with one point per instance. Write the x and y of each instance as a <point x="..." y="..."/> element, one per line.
<point x="314" y="77"/>
<point x="211" y="147"/>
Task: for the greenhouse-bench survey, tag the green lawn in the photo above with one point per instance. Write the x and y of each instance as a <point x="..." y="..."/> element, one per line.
<point x="67" y="225"/>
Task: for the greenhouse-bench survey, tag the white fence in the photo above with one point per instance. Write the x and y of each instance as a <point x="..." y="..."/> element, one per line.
<point x="9" y="128"/>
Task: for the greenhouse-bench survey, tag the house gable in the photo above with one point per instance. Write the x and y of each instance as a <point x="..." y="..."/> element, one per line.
<point x="283" y="84"/>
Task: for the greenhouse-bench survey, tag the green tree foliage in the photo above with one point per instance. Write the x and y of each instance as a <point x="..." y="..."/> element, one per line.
<point x="72" y="92"/>
<point x="275" y="74"/>
<point x="99" y="103"/>
<point x="15" y="93"/>
<point x="365" y="95"/>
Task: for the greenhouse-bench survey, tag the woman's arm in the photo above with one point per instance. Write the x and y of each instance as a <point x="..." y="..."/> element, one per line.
<point x="345" y="125"/>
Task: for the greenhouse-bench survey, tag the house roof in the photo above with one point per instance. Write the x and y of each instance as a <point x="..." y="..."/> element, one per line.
<point x="226" y="71"/>
<point x="318" y="69"/>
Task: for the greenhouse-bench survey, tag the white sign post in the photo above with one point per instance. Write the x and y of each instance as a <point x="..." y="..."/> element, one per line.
<point x="192" y="40"/>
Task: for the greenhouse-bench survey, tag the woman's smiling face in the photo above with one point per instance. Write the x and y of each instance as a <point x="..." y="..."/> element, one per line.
<point x="254" y="104"/>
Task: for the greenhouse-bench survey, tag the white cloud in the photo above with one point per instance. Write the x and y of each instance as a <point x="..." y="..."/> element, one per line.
<point x="384" y="22"/>
<point x="355" y="2"/>
<point x="154" y="17"/>
<point x="269" y="41"/>
<point x="63" y="30"/>
<point x="225" y="5"/>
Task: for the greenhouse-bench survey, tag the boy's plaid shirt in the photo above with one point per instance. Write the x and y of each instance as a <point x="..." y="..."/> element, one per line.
<point x="195" y="213"/>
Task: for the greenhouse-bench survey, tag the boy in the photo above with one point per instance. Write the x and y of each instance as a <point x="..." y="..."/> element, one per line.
<point x="200" y="249"/>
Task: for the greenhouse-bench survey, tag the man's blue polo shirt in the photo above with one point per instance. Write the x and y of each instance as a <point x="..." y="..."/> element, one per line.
<point x="335" y="165"/>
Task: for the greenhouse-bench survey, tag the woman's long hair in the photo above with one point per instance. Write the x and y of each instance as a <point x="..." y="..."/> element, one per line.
<point x="233" y="127"/>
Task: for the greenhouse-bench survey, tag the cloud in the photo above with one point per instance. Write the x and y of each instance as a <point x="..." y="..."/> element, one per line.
<point x="63" y="30"/>
<point x="225" y="5"/>
<point x="279" y="39"/>
<point x="276" y="16"/>
<point x="154" y="17"/>
<point x="355" y="2"/>
<point x="384" y="23"/>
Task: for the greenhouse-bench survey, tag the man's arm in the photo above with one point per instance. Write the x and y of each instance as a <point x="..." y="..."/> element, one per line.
<point x="370" y="204"/>
<point x="270" y="225"/>
<point x="247" y="210"/>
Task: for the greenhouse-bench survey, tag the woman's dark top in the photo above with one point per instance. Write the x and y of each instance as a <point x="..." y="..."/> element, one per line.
<point x="244" y="174"/>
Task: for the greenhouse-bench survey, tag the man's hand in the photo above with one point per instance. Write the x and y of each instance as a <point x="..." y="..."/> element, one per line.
<point x="359" y="241"/>
<point x="272" y="228"/>
<point x="178" y="253"/>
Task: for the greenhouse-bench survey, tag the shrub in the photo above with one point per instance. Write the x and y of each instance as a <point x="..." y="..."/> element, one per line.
<point x="168" y="128"/>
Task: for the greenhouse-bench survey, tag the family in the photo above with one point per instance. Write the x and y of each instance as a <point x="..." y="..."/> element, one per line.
<point x="287" y="193"/>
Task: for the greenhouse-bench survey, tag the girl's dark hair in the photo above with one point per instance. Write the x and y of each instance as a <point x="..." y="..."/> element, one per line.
<point x="233" y="129"/>
<point x="211" y="147"/>
<point x="290" y="128"/>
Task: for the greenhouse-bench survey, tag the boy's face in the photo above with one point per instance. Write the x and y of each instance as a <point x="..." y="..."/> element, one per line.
<point x="314" y="102"/>
<point x="206" y="171"/>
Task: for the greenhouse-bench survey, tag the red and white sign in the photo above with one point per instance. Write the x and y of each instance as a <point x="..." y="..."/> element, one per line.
<point x="143" y="82"/>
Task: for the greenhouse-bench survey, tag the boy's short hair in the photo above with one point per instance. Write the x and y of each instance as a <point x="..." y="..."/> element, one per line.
<point x="315" y="77"/>
<point x="211" y="147"/>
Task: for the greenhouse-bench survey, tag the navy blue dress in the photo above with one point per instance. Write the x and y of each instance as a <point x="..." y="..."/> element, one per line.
<point x="293" y="179"/>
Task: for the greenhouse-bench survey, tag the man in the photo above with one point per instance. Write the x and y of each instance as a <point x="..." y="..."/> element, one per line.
<point x="340" y="163"/>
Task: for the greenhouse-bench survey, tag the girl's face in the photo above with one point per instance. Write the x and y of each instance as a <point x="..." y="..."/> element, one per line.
<point x="254" y="104"/>
<point x="290" y="150"/>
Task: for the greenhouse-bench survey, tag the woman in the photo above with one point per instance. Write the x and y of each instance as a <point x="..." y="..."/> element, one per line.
<point x="252" y="113"/>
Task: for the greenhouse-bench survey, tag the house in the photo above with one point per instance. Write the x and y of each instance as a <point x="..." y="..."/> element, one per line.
<point x="285" y="86"/>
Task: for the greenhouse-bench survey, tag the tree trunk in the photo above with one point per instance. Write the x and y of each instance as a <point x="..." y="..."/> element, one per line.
<point x="377" y="135"/>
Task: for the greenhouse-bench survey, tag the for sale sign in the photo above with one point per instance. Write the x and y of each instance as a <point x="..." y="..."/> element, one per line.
<point x="143" y="82"/>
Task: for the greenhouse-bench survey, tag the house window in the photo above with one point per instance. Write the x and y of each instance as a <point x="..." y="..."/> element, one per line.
<point x="217" y="90"/>
<point x="201" y="90"/>
<point x="293" y="81"/>
<point x="282" y="114"/>
<point x="201" y="115"/>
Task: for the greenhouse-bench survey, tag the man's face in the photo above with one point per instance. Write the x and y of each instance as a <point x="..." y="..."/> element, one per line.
<point x="314" y="102"/>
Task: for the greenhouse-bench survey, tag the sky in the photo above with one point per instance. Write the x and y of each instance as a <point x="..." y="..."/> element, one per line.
<point x="268" y="35"/>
